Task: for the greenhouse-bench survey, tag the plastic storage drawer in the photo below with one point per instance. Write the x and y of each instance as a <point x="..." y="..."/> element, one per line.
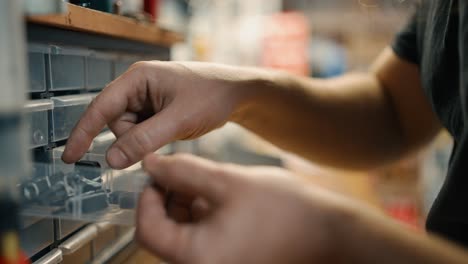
<point x="37" y="235"/>
<point x="99" y="71"/>
<point x="66" y="113"/>
<point x="13" y="140"/>
<point x="122" y="64"/>
<point x="37" y="67"/>
<point x="67" y="69"/>
<point x="38" y="122"/>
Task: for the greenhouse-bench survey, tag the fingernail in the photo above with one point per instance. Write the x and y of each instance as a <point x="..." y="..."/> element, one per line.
<point x="116" y="158"/>
<point x="66" y="155"/>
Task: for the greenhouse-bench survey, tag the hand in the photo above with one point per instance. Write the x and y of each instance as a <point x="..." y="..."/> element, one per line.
<point x="250" y="215"/>
<point x="154" y="103"/>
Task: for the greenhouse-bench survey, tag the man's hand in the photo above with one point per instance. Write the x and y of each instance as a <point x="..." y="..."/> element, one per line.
<point x="242" y="215"/>
<point x="356" y="121"/>
<point x="232" y="214"/>
<point x="154" y="103"/>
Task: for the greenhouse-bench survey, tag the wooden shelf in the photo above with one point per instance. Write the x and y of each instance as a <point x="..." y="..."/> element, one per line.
<point x="95" y="22"/>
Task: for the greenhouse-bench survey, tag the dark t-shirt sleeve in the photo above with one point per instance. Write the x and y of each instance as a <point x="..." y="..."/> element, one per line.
<point x="405" y="44"/>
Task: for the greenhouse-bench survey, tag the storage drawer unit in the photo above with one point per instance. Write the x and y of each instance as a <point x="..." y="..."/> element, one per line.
<point x="38" y="122"/>
<point x="37" y="67"/>
<point x="67" y="69"/>
<point x="99" y="71"/>
<point x="66" y="227"/>
<point x="12" y="144"/>
<point x="122" y="64"/>
<point x="66" y="113"/>
<point x="36" y="236"/>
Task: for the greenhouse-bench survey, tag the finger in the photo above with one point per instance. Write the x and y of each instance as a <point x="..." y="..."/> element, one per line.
<point x="142" y="139"/>
<point x="190" y="175"/>
<point x="200" y="208"/>
<point x="123" y="123"/>
<point x="156" y="231"/>
<point x="178" y="213"/>
<point x="178" y="207"/>
<point x="107" y="106"/>
<point x="182" y="199"/>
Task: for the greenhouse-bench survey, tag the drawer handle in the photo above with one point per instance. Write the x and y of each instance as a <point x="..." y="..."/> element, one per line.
<point x="53" y="257"/>
<point x="103" y="226"/>
<point x="78" y="240"/>
<point x="115" y="247"/>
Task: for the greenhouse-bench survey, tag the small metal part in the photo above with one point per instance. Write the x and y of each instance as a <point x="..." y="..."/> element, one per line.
<point x="87" y="203"/>
<point x="90" y="170"/>
<point x="33" y="189"/>
<point x="125" y="200"/>
<point x="90" y="173"/>
<point x="55" y="196"/>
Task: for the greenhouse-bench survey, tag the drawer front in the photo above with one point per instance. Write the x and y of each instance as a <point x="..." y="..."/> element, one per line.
<point x="37" y="72"/>
<point x="38" y="128"/>
<point x="37" y="236"/>
<point x="99" y="73"/>
<point x="64" y="119"/>
<point x="120" y="67"/>
<point x="67" y="72"/>
<point x="66" y="227"/>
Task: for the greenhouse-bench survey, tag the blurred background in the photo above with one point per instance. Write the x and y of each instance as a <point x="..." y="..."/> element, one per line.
<point x="319" y="39"/>
<point x="316" y="38"/>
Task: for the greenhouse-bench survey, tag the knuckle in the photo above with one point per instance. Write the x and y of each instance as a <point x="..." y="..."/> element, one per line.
<point x="124" y="148"/>
<point x="188" y="127"/>
<point x="142" y="141"/>
<point x="95" y="111"/>
<point x="221" y="170"/>
<point x="82" y="131"/>
<point x="140" y="66"/>
<point x="223" y="174"/>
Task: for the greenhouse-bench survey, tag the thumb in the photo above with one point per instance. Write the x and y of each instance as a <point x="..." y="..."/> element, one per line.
<point x="157" y="232"/>
<point x="142" y="139"/>
<point x="187" y="174"/>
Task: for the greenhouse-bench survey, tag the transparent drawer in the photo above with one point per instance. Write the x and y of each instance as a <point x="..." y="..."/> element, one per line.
<point x="37" y="67"/>
<point x="38" y="122"/>
<point x="98" y="71"/>
<point x="13" y="139"/>
<point x="66" y="113"/>
<point x="37" y="235"/>
<point x="67" y="227"/>
<point x="87" y="191"/>
<point x="122" y="64"/>
<point x="67" y="69"/>
<point x="102" y="142"/>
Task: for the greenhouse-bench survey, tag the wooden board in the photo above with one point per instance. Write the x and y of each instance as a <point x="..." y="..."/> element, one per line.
<point x="91" y="21"/>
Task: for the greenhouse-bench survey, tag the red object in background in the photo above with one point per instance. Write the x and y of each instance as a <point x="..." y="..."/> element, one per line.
<point x="22" y="259"/>
<point x="151" y="7"/>
<point x="405" y="212"/>
<point x="285" y="43"/>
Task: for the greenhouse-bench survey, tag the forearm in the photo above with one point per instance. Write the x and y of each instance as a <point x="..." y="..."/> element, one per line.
<point x="370" y="238"/>
<point x="343" y="122"/>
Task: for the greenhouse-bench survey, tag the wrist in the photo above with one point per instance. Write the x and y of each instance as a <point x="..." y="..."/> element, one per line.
<point x="253" y="90"/>
<point x="344" y="225"/>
